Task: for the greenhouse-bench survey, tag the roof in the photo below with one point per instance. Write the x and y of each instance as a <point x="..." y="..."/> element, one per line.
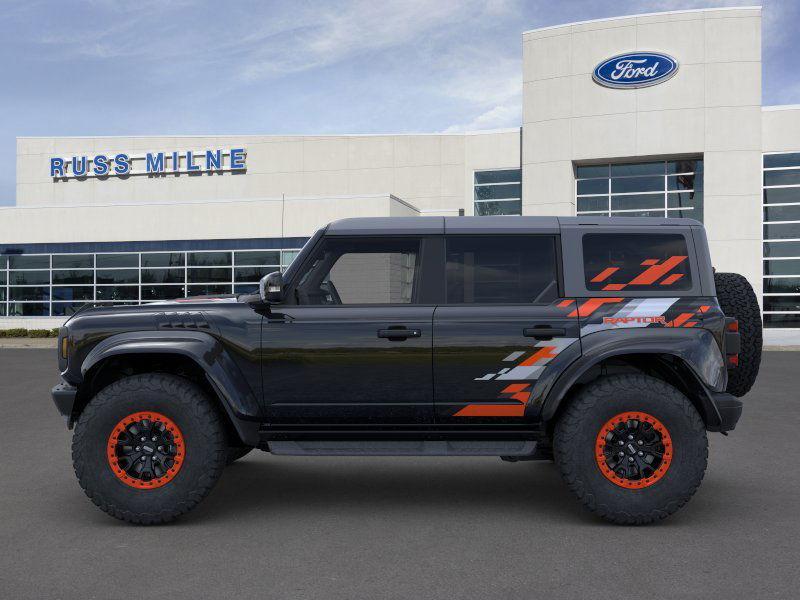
<point x="479" y="225"/>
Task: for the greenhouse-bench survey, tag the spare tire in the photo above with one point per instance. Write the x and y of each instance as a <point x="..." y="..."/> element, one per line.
<point x="738" y="300"/>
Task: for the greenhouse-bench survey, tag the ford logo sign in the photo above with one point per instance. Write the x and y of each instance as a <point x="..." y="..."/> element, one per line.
<point x="635" y="70"/>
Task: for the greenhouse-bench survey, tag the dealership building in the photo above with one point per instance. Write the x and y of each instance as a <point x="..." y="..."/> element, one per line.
<point x="646" y="115"/>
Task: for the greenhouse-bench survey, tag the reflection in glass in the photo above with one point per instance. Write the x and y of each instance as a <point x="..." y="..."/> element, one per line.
<point x="163" y="259"/>
<point x="84" y="292"/>
<point x="23" y="261"/>
<point x="85" y="276"/>
<point x="209" y="259"/>
<point x="118" y="276"/>
<point x="498" y="207"/>
<point x="73" y="261"/>
<point x="29" y="277"/>
<point x="111" y="261"/>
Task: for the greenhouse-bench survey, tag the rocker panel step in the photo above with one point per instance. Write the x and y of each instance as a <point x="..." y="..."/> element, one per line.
<point x="404" y="448"/>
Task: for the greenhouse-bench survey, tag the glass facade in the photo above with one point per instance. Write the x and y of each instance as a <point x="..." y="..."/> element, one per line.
<point x="498" y="192"/>
<point x="782" y="240"/>
<point x="40" y="285"/>
<point x="664" y="188"/>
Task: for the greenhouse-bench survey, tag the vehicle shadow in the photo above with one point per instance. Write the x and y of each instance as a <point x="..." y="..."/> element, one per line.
<point x="278" y="485"/>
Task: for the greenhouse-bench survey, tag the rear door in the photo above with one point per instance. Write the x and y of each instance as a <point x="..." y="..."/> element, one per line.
<point x="502" y="323"/>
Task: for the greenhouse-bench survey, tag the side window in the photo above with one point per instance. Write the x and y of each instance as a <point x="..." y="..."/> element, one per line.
<point x="501" y="269"/>
<point x="361" y="271"/>
<point x="636" y="262"/>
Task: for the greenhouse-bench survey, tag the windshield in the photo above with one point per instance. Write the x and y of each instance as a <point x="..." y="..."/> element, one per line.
<point x="298" y="260"/>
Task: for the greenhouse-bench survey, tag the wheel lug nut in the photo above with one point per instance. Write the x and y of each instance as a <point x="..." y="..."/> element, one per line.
<point x="640" y="442"/>
<point x="621" y="443"/>
<point x="622" y="454"/>
<point x="641" y="453"/>
<point x="630" y="459"/>
<point x="630" y="437"/>
<point x="144" y="439"/>
<point x="138" y="448"/>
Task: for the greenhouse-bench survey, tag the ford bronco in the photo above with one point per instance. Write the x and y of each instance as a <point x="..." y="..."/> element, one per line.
<point x="608" y="345"/>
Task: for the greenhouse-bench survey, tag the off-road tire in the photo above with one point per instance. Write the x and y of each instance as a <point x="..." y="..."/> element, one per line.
<point x="236" y="452"/>
<point x="203" y="435"/>
<point x="575" y="438"/>
<point x="737" y="299"/>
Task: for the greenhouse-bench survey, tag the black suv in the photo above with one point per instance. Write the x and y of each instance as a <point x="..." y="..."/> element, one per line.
<point x="607" y="345"/>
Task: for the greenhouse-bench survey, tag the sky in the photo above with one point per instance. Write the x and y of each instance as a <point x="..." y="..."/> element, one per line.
<point x="160" y="67"/>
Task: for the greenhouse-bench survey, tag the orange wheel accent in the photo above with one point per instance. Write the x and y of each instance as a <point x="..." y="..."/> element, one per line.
<point x="161" y="451"/>
<point x="624" y="445"/>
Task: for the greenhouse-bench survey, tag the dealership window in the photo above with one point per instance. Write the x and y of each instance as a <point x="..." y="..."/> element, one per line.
<point x="59" y="284"/>
<point x="498" y="192"/>
<point x="781" y="240"/>
<point x="663" y="188"/>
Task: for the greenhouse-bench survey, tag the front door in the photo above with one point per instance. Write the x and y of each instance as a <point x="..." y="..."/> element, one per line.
<point x="353" y="344"/>
<point x="502" y="324"/>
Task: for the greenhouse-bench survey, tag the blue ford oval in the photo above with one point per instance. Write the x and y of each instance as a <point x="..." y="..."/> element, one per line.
<point x="635" y="70"/>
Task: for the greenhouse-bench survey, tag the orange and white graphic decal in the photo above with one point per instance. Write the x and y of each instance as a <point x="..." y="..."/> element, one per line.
<point x="520" y="393"/>
<point x="526" y="367"/>
<point x="654" y="271"/>
<point x="620" y="313"/>
<point x="528" y="364"/>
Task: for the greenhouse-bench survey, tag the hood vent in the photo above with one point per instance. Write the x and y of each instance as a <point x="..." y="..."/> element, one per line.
<point x="181" y="320"/>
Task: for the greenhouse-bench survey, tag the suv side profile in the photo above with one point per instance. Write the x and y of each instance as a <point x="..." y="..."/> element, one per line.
<point x="607" y="345"/>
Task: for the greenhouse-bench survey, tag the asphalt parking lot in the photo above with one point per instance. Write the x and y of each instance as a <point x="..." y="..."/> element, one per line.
<point x="296" y="527"/>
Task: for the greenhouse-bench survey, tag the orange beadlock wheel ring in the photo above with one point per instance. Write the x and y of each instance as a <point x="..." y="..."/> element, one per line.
<point x="633" y="450"/>
<point x="145" y="450"/>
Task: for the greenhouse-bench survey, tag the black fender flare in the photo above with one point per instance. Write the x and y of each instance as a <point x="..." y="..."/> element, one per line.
<point x="222" y="373"/>
<point x="697" y="350"/>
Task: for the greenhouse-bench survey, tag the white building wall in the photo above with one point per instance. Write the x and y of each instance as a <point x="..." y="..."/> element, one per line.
<point x="433" y="172"/>
<point x="780" y="127"/>
<point x="221" y="219"/>
<point x="711" y="107"/>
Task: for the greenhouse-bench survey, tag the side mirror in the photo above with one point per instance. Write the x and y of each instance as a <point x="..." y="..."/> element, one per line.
<point x="270" y="288"/>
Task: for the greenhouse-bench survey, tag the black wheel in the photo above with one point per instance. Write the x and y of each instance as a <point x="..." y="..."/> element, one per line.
<point x="235" y="453"/>
<point x="737" y="299"/>
<point x="148" y="448"/>
<point x="632" y="448"/>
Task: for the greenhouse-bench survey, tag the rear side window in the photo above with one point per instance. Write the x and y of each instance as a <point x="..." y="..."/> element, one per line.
<point x="501" y="270"/>
<point x="636" y="262"/>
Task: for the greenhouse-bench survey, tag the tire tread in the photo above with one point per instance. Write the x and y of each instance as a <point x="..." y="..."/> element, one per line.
<point x="188" y="397"/>
<point x="737" y="299"/>
<point x="582" y="408"/>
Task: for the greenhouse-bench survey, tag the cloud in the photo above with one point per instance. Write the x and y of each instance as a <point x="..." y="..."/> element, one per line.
<point x="340" y="32"/>
<point x="497" y="117"/>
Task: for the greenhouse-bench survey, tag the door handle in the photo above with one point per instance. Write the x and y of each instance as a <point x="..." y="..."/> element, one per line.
<point x="400" y="334"/>
<point x="544" y="332"/>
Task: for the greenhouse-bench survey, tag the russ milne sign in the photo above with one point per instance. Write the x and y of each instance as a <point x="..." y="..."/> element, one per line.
<point x="635" y="70"/>
<point x="151" y="163"/>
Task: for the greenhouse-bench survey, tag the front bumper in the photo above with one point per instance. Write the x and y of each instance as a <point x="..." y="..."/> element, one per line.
<point x="64" y="396"/>
<point x="729" y="408"/>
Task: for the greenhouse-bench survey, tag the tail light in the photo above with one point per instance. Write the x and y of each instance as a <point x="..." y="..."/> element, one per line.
<point x="732" y="343"/>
